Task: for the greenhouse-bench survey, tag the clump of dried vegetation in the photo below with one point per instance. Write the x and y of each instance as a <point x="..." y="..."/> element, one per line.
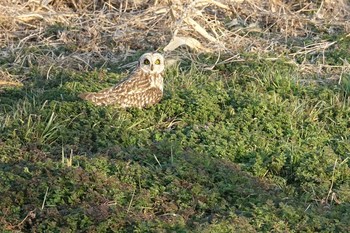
<point x="77" y="34"/>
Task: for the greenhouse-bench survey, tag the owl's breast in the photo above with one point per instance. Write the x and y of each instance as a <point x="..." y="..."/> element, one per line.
<point x="157" y="81"/>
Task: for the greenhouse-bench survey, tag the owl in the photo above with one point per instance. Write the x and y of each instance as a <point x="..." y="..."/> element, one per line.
<point x="142" y="88"/>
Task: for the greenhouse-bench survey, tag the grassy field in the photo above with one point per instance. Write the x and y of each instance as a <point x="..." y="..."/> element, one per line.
<point x="255" y="145"/>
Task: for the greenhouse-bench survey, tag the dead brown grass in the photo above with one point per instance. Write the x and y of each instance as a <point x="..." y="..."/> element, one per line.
<point x="77" y="34"/>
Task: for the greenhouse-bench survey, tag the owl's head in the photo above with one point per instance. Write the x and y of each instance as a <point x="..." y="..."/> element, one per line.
<point x="151" y="63"/>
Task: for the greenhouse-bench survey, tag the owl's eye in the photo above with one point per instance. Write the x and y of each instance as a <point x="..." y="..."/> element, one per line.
<point x="146" y="62"/>
<point x="157" y="62"/>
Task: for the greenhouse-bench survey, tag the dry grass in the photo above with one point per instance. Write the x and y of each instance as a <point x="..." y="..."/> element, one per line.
<point x="74" y="34"/>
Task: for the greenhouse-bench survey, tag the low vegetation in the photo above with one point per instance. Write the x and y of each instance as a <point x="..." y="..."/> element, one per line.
<point x="238" y="144"/>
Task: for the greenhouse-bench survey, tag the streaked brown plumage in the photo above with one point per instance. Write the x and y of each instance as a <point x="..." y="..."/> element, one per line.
<point x="143" y="87"/>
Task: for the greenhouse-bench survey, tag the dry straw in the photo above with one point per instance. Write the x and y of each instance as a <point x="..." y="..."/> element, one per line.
<point x="74" y="34"/>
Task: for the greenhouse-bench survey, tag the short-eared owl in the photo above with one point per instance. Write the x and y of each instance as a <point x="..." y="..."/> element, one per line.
<point x="142" y="88"/>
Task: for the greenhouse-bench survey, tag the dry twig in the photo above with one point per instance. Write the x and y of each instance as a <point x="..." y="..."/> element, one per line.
<point x="55" y="34"/>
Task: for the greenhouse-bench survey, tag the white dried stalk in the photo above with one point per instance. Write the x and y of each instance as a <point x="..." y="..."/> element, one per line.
<point x="198" y="28"/>
<point x="178" y="41"/>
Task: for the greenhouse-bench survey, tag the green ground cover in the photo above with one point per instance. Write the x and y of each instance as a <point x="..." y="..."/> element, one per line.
<point x="247" y="147"/>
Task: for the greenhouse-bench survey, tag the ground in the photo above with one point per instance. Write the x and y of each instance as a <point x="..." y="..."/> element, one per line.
<point x="251" y="144"/>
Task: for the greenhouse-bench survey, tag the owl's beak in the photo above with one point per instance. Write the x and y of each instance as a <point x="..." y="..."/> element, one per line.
<point x="152" y="67"/>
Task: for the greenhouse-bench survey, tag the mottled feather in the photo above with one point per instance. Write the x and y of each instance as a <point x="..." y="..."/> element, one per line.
<point x="140" y="89"/>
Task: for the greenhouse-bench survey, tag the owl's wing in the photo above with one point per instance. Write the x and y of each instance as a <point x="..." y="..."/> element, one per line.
<point x="142" y="98"/>
<point x="124" y="93"/>
<point x="137" y="82"/>
<point x="98" y="98"/>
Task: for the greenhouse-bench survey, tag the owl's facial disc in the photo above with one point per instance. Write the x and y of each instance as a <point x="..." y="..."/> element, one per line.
<point x="152" y="63"/>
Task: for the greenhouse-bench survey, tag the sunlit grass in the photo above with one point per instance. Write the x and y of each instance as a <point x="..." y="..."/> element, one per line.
<point x="223" y="151"/>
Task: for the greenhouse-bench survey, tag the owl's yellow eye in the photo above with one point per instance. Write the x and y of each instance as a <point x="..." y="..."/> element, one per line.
<point x="157" y="62"/>
<point x="146" y="62"/>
